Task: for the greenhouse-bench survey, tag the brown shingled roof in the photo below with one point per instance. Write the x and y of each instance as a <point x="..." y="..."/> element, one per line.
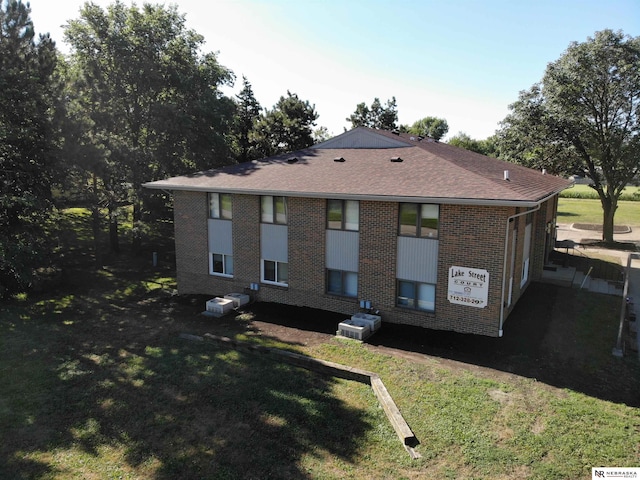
<point x="422" y="170"/>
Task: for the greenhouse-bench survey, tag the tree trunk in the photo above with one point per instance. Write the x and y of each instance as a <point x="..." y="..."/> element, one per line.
<point x="114" y="241"/>
<point x="95" y="222"/>
<point x="136" y="238"/>
<point x="609" y="207"/>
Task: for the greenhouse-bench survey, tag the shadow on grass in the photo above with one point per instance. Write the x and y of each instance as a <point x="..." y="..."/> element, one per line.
<point x="88" y="377"/>
<point x="94" y="372"/>
<point x="559" y="336"/>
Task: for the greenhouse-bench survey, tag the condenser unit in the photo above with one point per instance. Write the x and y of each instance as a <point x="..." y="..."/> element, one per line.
<point x="356" y="329"/>
<point x="219" y="305"/>
<point x="374" y="321"/>
<point x="238" y="299"/>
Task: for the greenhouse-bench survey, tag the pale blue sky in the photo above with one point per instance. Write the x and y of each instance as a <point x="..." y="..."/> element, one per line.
<point x="462" y="60"/>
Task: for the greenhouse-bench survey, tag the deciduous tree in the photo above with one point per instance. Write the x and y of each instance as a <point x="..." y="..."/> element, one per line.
<point x="485" y="147"/>
<point x="152" y="97"/>
<point x="432" y="127"/>
<point x="587" y="107"/>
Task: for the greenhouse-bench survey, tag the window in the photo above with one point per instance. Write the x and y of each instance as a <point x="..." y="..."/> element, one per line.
<point x="343" y="215"/>
<point x="220" y="205"/>
<point x="220" y="264"/>
<point x="275" y="272"/>
<point x="273" y="209"/>
<point x="420" y="296"/>
<point x="419" y="220"/>
<point x="342" y="283"/>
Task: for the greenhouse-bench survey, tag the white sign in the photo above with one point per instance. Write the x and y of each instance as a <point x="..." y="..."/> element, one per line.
<point x="468" y="286"/>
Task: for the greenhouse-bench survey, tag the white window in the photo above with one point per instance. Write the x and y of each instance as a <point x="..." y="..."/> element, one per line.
<point x="343" y="283"/>
<point x="273" y="209"/>
<point x="343" y="215"/>
<point x="420" y="296"/>
<point x="275" y="272"/>
<point x="221" y="264"/>
<point x="220" y="206"/>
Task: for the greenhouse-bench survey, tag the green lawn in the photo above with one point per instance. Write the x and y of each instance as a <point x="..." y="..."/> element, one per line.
<point x="96" y="383"/>
<point x="573" y="210"/>
<point x="630" y="193"/>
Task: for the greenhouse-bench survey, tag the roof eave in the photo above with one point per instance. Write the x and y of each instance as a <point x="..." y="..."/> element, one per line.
<point x="352" y="196"/>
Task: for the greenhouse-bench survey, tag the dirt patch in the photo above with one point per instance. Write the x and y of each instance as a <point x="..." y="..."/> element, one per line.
<point x="542" y="340"/>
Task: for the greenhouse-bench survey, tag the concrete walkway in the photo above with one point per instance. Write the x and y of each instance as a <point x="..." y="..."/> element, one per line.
<point x="628" y="259"/>
<point x="633" y="297"/>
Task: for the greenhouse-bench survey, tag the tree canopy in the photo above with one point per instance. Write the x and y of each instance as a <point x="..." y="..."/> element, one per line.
<point x="248" y="111"/>
<point x="288" y="126"/>
<point x="432" y="127"/>
<point x="485" y="147"/>
<point x="377" y="116"/>
<point x="151" y="97"/>
<point x="585" y="110"/>
<point x="27" y="144"/>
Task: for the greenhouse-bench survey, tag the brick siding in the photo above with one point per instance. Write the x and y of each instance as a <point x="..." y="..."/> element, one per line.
<point x="469" y="236"/>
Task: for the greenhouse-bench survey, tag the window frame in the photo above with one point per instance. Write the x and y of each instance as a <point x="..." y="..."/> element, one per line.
<point x="220" y="212"/>
<point x="419" y="230"/>
<point x="273" y="204"/>
<point x="277" y="270"/>
<point x="414" y="302"/>
<point x="226" y="261"/>
<point x="343" y="283"/>
<point x="344" y="210"/>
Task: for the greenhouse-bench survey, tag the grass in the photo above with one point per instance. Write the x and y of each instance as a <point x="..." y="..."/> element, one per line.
<point x="573" y="210"/>
<point x="95" y="383"/>
<point x="630" y="193"/>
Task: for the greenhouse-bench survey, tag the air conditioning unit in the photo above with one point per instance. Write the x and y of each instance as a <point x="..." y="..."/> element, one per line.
<point x="354" y="329"/>
<point x="374" y="321"/>
<point x="219" y="305"/>
<point x="238" y="299"/>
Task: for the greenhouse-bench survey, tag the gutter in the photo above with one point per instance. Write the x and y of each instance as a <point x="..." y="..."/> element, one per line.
<point x="504" y="264"/>
<point x="352" y="196"/>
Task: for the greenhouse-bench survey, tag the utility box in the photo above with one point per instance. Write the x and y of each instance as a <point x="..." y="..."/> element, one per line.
<point x="374" y="321"/>
<point x="354" y="329"/>
<point x="238" y="299"/>
<point x="219" y="305"/>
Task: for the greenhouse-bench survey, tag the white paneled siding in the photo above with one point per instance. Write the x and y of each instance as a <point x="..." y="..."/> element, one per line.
<point x="220" y="237"/>
<point x="342" y="250"/>
<point x="274" y="242"/>
<point x="418" y="259"/>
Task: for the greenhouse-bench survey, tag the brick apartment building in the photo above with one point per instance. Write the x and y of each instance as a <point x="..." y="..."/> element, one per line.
<point x="427" y="233"/>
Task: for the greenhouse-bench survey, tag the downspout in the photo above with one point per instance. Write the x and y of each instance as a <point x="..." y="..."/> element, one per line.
<point x="504" y="264"/>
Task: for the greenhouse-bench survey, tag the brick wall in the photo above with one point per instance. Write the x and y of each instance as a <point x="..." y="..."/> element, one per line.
<point x="474" y="237"/>
<point x="469" y="236"/>
<point x="190" y="224"/>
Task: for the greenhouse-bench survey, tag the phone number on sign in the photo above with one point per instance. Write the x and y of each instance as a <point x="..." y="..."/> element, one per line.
<point x="456" y="298"/>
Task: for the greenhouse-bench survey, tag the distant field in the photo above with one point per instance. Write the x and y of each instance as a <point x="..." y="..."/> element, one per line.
<point x="574" y="210"/>
<point x="631" y="194"/>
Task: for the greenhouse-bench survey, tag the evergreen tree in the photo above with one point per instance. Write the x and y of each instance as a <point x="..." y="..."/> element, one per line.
<point x="26" y="145"/>
<point x="287" y="127"/>
<point x="376" y="116"/>
<point x="247" y="114"/>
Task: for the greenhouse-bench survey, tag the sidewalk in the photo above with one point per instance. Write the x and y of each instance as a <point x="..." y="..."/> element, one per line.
<point x="566" y="232"/>
<point x="577" y="243"/>
<point x="633" y="297"/>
